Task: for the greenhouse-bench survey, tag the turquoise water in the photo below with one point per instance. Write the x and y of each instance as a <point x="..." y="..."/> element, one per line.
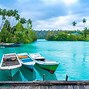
<point x="72" y="56"/>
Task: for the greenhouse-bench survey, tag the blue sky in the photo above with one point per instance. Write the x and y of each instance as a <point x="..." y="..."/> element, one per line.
<point x="51" y="14"/>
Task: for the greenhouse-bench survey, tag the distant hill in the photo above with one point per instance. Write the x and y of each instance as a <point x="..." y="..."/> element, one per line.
<point x="41" y="34"/>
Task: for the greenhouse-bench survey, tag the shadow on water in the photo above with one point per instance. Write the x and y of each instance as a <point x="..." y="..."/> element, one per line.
<point x="17" y="77"/>
<point x="5" y="76"/>
<point x="30" y="75"/>
<point x="45" y="74"/>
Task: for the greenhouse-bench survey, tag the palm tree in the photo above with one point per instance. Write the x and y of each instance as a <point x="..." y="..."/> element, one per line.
<point x="22" y="20"/>
<point x="29" y="23"/>
<point x="85" y="32"/>
<point x="9" y="14"/>
<point x="15" y="12"/>
<point x="84" y="21"/>
<point x="17" y="17"/>
<point x="74" y="24"/>
<point x="7" y="25"/>
<point x="85" y="28"/>
<point x="1" y="22"/>
<point x="3" y="13"/>
<point x="0" y="11"/>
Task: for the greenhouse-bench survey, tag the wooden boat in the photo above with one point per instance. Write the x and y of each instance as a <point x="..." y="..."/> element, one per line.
<point x="10" y="63"/>
<point x="45" y="64"/>
<point x="26" y="60"/>
<point x="10" y="44"/>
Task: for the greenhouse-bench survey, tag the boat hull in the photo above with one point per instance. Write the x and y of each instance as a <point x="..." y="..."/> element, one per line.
<point x="10" y="65"/>
<point x="10" y="45"/>
<point x="50" y="68"/>
<point x="26" y="61"/>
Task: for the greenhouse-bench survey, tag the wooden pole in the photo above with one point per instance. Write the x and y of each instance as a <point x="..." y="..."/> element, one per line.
<point x="43" y="77"/>
<point x="66" y="77"/>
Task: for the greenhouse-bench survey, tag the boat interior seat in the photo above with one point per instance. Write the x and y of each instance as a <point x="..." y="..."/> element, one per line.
<point x="9" y="59"/>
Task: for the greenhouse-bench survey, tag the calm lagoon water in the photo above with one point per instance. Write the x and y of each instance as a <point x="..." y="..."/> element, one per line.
<point x="72" y="56"/>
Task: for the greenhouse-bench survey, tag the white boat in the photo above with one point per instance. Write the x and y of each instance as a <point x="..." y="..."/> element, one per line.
<point x="26" y="60"/>
<point x="43" y="63"/>
<point x="10" y="64"/>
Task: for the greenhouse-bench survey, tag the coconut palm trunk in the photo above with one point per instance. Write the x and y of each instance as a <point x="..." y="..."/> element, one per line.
<point x="85" y="29"/>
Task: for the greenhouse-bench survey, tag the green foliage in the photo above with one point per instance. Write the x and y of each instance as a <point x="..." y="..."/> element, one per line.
<point x="23" y="20"/>
<point x="24" y="35"/>
<point x="7" y="25"/>
<point x="85" y="32"/>
<point x="17" y="33"/>
<point x="29" y="23"/>
<point x="5" y="35"/>
<point x="65" y="36"/>
<point x="50" y="36"/>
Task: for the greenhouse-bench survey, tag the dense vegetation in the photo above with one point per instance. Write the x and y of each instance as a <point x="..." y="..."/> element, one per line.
<point x="66" y="35"/>
<point x="59" y="35"/>
<point x="41" y="34"/>
<point x="15" y="29"/>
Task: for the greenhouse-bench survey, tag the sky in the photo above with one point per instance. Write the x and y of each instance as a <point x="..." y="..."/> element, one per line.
<point x="51" y="14"/>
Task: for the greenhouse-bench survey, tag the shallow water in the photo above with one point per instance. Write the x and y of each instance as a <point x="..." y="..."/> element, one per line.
<point x="72" y="56"/>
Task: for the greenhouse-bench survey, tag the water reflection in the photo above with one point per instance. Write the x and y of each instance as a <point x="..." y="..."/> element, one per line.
<point x="17" y="77"/>
<point x="27" y="73"/>
<point x="6" y="76"/>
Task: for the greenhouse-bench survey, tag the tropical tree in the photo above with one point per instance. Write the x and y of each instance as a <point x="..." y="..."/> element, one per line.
<point x="85" y="28"/>
<point x="3" y="13"/>
<point x="15" y="32"/>
<point x="74" y="24"/>
<point x="22" y="20"/>
<point x="5" y="35"/>
<point x="17" y="16"/>
<point x="15" y="12"/>
<point x="7" y="25"/>
<point x="29" y="23"/>
<point x="84" y="21"/>
<point x="0" y="11"/>
<point x="85" y="32"/>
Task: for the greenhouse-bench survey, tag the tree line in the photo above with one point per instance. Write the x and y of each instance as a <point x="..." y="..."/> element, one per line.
<point x="14" y="28"/>
<point x="63" y="35"/>
<point x="75" y="35"/>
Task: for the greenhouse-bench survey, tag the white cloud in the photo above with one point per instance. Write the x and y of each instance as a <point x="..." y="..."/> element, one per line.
<point x="70" y="2"/>
<point x="41" y="15"/>
<point x="54" y="2"/>
<point x="61" y="22"/>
